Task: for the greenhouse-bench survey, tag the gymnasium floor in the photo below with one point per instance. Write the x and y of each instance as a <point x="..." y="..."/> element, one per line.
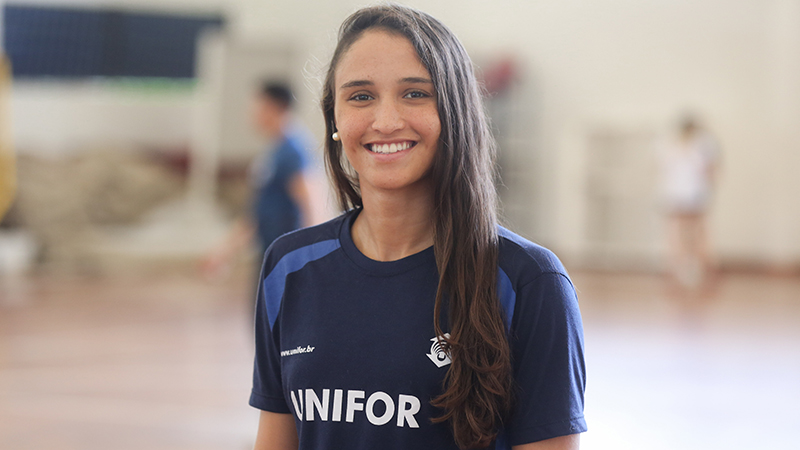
<point x="163" y="362"/>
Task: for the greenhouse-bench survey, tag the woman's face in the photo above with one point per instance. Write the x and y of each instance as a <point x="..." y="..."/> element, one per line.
<point x="386" y="113"/>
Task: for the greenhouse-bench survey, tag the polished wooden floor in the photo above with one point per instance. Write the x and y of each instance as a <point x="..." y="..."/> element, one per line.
<point x="163" y="362"/>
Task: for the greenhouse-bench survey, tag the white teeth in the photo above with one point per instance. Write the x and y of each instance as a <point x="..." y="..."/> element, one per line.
<point x="390" y="148"/>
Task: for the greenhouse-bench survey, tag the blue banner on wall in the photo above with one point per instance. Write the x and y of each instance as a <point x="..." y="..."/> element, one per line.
<point x="76" y="43"/>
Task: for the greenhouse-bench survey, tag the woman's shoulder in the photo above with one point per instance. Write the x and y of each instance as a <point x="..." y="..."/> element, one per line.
<point x="524" y="261"/>
<point x="314" y="239"/>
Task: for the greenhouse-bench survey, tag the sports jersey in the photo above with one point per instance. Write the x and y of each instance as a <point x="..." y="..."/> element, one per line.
<point x="346" y="344"/>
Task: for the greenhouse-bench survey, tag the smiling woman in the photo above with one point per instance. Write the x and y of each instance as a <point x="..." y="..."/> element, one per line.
<point x="386" y="115"/>
<point x="432" y="326"/>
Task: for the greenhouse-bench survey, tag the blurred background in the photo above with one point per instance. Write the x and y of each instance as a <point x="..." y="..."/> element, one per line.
<point x="130" y="125"/>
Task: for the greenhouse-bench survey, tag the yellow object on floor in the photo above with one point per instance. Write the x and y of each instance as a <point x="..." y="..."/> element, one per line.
<point x="8" y="177"/>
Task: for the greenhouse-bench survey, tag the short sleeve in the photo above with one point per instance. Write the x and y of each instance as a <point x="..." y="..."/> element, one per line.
<point x="549" y="371"/>
<point x="289" y="160"/>
<point x="267" y="393"/>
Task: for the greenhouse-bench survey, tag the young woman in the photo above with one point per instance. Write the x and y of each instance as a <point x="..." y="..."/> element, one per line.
<point x="413" y="320"/>
<point x="688" y="170"/>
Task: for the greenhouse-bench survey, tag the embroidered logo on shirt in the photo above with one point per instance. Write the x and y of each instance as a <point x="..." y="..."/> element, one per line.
<point x="437" y="354"/>
<point x="298" y="350"/>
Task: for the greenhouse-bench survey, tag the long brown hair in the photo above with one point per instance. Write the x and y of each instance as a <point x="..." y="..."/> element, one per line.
<point x="477" y="391"/>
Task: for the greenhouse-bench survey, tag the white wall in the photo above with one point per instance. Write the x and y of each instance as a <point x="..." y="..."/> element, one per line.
<point x="619" y="64"/>
<point x="56" y="118"/>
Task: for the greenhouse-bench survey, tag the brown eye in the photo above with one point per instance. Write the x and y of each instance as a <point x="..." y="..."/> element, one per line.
<point x="416" y="94"/>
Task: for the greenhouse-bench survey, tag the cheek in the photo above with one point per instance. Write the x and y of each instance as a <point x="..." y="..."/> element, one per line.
<point x="436" y="129"/>
<point x="351" y="129"/>
<point x="434" y="125"/>
<point x="344" y="122"/>
<point x="348" y="130"/>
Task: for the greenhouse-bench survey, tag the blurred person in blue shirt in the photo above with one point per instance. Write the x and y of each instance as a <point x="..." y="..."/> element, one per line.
<point x="281" y="178"/>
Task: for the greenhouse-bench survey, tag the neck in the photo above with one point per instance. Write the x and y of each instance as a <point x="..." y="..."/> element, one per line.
<point x="394" y="225"/>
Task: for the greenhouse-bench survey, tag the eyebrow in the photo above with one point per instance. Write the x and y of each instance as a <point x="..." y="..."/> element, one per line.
<point x="356" y="83"/>
<point x="416" y="80"/>
<point x="359" y="83"/>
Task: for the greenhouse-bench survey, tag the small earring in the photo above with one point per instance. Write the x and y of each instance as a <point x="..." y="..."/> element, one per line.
<point x="336" y="136"/>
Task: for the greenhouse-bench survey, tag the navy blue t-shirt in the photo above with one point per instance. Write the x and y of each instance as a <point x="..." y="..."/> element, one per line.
<point x="274" y="210"/>
<point x="346" y="344"/>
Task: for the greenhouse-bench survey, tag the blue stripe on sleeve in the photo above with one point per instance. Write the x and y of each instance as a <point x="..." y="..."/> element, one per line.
<point x="508" y="298"/>
<point x="275" y="283"/>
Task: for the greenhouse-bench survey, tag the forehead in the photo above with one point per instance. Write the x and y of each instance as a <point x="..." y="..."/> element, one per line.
<point x="379" y="55"/>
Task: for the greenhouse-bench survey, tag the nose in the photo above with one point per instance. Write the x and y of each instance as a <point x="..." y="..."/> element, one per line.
<point x="388" y="117"/>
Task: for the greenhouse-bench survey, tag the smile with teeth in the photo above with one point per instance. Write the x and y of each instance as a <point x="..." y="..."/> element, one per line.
<point x="390" y="148"/>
